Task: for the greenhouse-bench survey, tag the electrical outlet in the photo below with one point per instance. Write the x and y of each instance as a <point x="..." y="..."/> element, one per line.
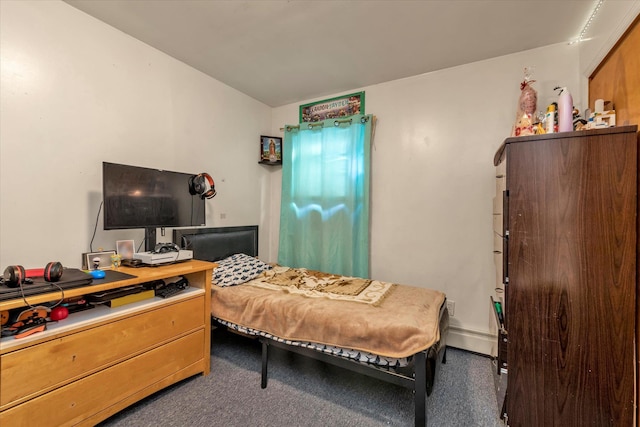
<point x="451" y="307"/>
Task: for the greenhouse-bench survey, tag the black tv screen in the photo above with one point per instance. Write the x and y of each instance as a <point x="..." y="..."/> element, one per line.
<point x="137" y="197"/>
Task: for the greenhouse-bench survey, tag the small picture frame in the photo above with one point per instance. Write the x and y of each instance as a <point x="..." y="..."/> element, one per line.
<point x="97" y="260"/>
<point x="270" y="150"/>
<point x="125" y="248"/>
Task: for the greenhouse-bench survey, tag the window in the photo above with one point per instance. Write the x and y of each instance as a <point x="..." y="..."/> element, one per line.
<point x="324" y="222"/>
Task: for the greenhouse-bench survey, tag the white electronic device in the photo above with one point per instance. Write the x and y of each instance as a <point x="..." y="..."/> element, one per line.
<point x="152" y="258"/>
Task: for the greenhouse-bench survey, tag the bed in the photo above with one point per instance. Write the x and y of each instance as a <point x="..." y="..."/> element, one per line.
<point x="396" y="333"/>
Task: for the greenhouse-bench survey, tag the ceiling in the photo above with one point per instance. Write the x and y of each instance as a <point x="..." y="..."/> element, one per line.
<point x="281" y="52"/>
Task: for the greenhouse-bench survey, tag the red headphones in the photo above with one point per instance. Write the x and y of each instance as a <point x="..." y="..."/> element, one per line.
<point x="15" y="275"/>
<point x="198" y="185"/>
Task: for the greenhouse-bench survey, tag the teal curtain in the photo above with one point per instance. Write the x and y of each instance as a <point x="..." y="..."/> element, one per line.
<point x="324" y="216"/>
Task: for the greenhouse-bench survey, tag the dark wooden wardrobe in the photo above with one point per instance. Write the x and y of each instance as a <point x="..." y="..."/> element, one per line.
<point x="571" y="258"/>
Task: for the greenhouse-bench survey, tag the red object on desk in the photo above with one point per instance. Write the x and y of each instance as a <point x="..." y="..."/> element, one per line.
<point x="34" y="272"/>
<point x="59" y="313"/>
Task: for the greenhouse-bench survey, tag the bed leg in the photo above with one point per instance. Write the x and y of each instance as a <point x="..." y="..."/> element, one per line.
<point x="420" y="389"/>
<point x="265" y="359"/>
<point x="444" y="355"/>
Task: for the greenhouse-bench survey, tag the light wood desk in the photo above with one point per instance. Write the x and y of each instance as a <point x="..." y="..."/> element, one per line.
<point x="93" y="364"/>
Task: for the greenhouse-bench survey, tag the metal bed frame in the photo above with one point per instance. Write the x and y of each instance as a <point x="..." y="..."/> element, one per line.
<point x="420" y="379"/>
<point x="213" y="244"/>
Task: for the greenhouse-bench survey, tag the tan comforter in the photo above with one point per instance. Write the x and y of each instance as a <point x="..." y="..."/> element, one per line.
<point x="401" y="323"/>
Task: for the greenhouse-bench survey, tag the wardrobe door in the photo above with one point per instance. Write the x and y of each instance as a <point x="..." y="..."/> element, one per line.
<point x="571" y="291"/>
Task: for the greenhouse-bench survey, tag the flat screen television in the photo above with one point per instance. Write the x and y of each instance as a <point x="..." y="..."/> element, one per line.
<point x="138" y="197"/>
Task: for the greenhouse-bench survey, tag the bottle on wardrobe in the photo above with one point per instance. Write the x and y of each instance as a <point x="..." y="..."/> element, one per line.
<point x="550" y="119"/>
<point x="565" y="110"/>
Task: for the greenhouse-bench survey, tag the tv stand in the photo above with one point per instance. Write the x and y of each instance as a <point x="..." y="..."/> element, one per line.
<point x="97" y="362"/>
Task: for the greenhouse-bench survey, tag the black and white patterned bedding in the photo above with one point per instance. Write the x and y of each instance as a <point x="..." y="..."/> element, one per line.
<point x="360" y="356"/>
<point x="238" y="269"/>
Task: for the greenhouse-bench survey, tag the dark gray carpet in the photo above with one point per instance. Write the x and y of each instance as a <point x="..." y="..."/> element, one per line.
<point x="305" y="392"/>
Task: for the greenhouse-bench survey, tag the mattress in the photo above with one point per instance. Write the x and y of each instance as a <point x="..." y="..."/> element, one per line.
<point x="369" y="319"/>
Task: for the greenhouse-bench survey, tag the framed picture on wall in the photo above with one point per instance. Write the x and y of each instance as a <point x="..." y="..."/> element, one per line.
<point x="334" y="108"/>
<point x="270" y="150"/>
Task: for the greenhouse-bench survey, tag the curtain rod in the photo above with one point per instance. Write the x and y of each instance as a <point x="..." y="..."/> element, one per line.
<point x="311" y="125"/>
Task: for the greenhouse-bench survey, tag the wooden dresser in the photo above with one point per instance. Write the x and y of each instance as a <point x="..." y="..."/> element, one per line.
<point x="570" y="277"/>
<point x="499" y="350"/>
<point x="91" y="365"/>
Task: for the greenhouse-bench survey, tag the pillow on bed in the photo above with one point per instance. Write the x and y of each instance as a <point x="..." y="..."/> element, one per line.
<point x="237" y="269"/>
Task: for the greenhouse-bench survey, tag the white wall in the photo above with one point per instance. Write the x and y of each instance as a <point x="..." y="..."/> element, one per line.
<point x="433" y="180"/>
<point x="433" y="177"/>
<point x="76" y="92"/>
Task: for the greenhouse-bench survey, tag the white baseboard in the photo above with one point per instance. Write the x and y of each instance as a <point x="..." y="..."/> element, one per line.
<point x="476" y="341"/>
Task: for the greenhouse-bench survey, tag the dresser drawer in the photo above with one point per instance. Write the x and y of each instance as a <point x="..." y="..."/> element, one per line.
<point x="501" y="169"/>
<point x="498" y="243"/>
<point x="501" y="184"/>
<point x="111" y="387"/>
<point x="34" y="370"/>
<point x="498" y="204"/>
<point x="498" y="224"/>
